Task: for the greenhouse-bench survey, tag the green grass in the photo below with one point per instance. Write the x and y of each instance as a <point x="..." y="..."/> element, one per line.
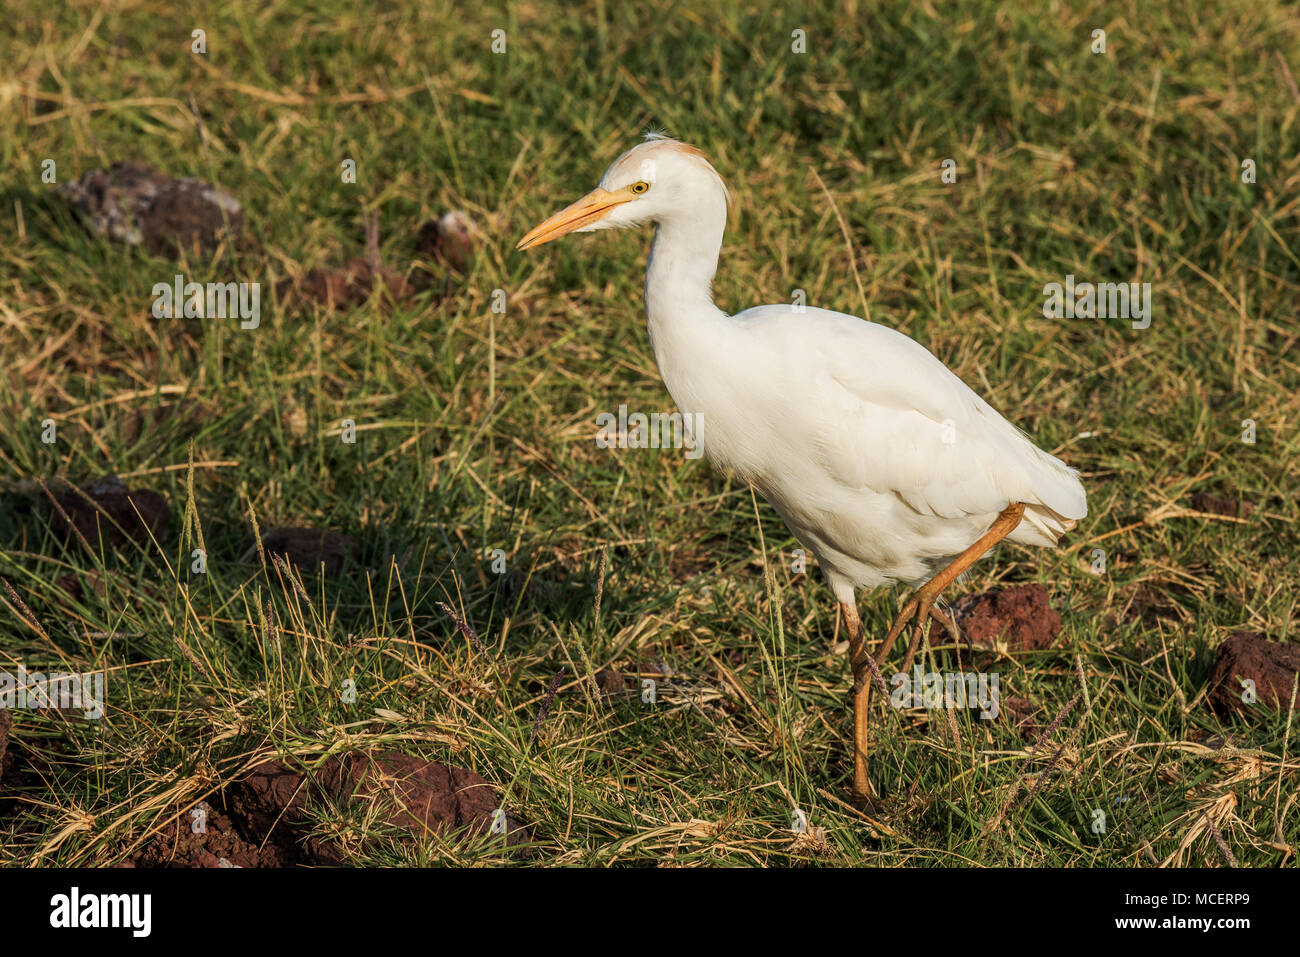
<point x="475" y="430"/>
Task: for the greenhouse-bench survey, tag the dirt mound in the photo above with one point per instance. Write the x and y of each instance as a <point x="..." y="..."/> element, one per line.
<point x="21" y="769"/>
<point x="211" y="840"/>
<point x="416" y="797"/>
<point x="345" y="286"/>
<point x="136" y="204"/>
<point x="308" y="548"/>
<point x="609" y="682"/>
<point x="352" y="283"/>
<point x="1020" y="616"/>
<point x="1205" y="502"/>
<point x="449" y="240"/>
<point x="106" y="509"/>
<point x="1271" y="665"/>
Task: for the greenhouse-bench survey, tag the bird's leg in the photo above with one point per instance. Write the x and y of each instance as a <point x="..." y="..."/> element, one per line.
<point x="949" y="625"/>
<point x="921" y="605"/>
<point x="904" y="616"/>
<point x="861" y="696"/>
<point x="920" y="628"/>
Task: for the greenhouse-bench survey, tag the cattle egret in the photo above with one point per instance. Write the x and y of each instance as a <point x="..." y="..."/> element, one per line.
<point x="880" y="460"/>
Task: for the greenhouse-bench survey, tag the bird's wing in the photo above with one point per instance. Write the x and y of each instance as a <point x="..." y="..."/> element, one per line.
<point x="893" y="418"/>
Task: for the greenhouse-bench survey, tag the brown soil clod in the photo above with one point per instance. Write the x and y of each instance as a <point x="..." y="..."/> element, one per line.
<point x="107" y="510"/>
<point x="449" y="239"/>
<point x="208" y="840"/>
<point x="1215" y="505"/>
<point x="136" y="204"/>
<point x="270" y="803"/>
<point x="309" y="548"/>
<point x="346" y="286"/>
<point x="352" y="283"/>
<point x="609" y="682"/>
<point x="20" y="769"/>
<point x="1019" y="616"/>
<point x="416" y="798"/>
<point x="430" y="798"/>
<point x="1270" y="666"/>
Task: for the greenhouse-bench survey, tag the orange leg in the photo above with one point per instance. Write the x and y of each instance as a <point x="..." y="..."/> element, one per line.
<point x="920" y="605"/>
<point x="949" y="625"/>
<point x="921" y="608"/>
<point x="862" y="668"/>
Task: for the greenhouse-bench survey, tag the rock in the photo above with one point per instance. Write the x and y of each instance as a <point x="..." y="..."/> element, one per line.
<point x="308" y="548"/>
<point x="136" y="204"/>
<point x="1214" y="505"/>
<point x="1271" y="665"/>
<point x="449" y="239"/>
<point x="105" y="509"/>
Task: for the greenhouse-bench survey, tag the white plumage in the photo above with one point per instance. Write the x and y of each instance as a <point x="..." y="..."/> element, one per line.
<point x="880" y="460"/>
<point x="878" y="457"/>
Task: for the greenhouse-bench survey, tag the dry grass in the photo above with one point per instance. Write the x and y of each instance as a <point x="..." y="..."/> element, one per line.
<point x="475" y="429"/>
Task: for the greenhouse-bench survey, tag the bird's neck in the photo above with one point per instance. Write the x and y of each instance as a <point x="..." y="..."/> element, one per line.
<point x="680" y="315"/>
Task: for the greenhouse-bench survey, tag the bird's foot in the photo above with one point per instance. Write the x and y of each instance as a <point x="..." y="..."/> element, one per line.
<point x="861" y="801"/>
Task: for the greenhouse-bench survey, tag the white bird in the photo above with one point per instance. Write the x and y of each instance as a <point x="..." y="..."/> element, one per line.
<point x="880" y="460"/>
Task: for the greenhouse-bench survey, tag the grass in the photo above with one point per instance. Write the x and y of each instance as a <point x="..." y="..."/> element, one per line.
<point x="475" y="429"/>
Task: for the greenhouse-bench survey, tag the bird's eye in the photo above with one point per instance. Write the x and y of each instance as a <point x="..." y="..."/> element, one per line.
<point x="640" y="187"/>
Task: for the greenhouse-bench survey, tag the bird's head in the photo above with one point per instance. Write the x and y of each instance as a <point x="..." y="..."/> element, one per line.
<point x="655" y="181"/>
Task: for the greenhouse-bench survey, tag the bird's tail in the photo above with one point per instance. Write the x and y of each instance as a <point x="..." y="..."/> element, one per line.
<point x="1041" y="526"/>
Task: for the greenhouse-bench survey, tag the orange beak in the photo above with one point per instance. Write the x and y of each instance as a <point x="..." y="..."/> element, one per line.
<point x="582" y="213"/>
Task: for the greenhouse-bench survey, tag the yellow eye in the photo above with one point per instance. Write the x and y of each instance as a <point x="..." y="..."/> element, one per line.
<point x="640" y="187"/>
